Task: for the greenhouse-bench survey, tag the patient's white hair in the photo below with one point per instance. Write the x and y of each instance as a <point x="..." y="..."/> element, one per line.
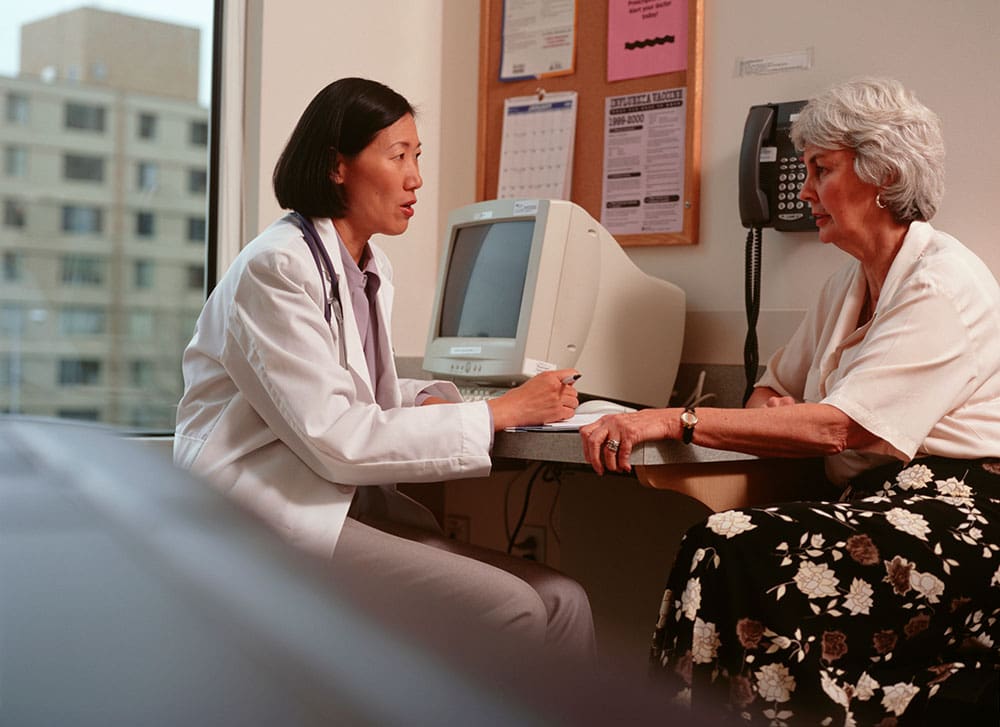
<point x="896" y="139"/>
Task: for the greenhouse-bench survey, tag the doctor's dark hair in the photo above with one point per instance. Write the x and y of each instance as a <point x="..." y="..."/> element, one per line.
<point x="342" y="118"/>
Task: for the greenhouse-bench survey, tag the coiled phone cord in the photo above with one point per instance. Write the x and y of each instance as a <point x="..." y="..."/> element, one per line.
<point x="752" y="294"/>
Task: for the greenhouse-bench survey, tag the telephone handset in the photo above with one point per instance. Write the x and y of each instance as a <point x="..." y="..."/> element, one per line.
<point x="771" y="173"/>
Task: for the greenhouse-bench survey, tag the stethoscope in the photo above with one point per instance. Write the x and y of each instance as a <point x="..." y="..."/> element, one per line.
<point x="322" y="259"/>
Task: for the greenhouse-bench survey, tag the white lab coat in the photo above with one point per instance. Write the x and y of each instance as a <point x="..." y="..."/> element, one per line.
<point x="278" y="408"/>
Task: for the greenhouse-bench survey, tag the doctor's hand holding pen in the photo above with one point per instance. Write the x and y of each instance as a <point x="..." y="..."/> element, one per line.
<point x="546" y="397"/>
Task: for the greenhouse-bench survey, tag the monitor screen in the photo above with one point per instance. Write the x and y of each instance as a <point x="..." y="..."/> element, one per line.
<point x="485" y="280"/>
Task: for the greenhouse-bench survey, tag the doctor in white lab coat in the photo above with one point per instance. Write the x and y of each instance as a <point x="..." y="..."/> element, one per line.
<point x="292" y="405"/>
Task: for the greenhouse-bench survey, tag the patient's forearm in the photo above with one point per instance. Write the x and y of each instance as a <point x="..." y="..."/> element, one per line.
<point x="800" y="430"/>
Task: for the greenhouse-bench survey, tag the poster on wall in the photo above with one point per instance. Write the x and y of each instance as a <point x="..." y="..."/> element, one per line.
<point x="646" y="37"/>
<point x="644" y="151"/>
<point x="539" y="39"/>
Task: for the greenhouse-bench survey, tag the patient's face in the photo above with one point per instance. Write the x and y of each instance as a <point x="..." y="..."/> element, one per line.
<point x="844" y="206"/>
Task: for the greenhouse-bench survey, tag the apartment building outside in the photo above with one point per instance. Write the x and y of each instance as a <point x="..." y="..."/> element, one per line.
<point x="102" y="235"/>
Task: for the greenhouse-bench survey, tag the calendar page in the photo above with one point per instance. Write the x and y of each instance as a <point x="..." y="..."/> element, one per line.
<point x="536" y="151"/>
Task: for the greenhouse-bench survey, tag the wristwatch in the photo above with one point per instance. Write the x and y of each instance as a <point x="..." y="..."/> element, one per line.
<point x="688" y="420"/>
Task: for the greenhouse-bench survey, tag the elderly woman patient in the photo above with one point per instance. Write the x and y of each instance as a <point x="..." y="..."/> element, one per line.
<point x="875" y="608"/>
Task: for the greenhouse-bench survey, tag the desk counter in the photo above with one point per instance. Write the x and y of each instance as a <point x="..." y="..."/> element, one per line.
<point x="719" y="479"/>
<point x="566" y="447"/>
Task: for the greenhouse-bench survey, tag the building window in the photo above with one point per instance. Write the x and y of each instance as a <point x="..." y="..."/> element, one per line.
<point x="13" y="213"/>
<point x="196" y="277"/>
<point x="141" y="374"/>
<point x="147" y="126"/>
<point x="196" y="229"/>
<point x="198" y="133"/>
<point x="17" y="108"/>
<point x="197" y="181"/>
<point x="147" y="176"/>
<point x="15" y="161"/>
<point x="79" y="372"/>
<point x="99" y="71"/>
<point x="81" y="415"/>
<point x="140" y="325"/>
<point x="82" y="321"/>
<point x="82" y="270"/>
<point x="143" y="274"/>
<point x="84" y="168"/>
<point x="6" y="377"/>
<point x="12" y="266"/>
<point x="85" y="117"/>
<point x="78" y="220"/>
<point x="145" y="224"/>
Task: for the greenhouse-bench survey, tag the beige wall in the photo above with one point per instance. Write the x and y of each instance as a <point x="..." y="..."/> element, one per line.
<point x="427" y="49"/>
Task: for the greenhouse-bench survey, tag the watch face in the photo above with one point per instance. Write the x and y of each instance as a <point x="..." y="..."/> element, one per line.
<point x="688" y="418"/>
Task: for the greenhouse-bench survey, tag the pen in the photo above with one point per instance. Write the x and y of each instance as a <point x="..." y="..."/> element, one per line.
<point x="571" y="378"/>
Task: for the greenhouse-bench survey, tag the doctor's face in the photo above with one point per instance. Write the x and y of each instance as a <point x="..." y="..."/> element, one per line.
<point x="381" y="182"/>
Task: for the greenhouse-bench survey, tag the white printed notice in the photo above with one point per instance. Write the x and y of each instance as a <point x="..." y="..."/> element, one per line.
<point x="536" y="147"/>
<point x="644" y="162"/>
<point x="539" y="39"/>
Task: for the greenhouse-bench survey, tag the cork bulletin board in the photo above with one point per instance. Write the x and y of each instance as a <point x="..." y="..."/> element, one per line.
<point x="590" y="82"/>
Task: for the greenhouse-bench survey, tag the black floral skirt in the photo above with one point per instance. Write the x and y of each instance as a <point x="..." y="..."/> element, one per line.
<point x="882" y="609"/>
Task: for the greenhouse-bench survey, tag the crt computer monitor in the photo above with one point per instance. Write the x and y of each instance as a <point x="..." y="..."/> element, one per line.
<point x="528" y="285"/>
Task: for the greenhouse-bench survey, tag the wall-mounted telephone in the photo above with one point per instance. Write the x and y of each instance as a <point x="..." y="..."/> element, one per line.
<point x="771" y="173"/>
<point x="771" y="177"/>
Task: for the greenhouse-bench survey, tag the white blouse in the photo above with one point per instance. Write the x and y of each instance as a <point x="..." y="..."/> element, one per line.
<point x="923" y="374"/>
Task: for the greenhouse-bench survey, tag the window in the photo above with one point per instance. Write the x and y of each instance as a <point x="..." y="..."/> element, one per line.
<point x="99" y="233"/>
<point x="83" y="415"/>
<point x="12" y="266"/>
<point x="81" y="321"/>
<point x="17" y="108"/>
<point x="141" y="373"/>
<point x="84" y="117"/>
<point x="147" y="126"/>
<point x="78" y="220"/>
<point x="11" y="319"/>
<point x="198" y="133"/>
<point x="196" y="277"/>
<point x="140" y="325"/>
<point x="13" y="213"/>
<point x="15" y="161"/>
<point x="79" y="372"/>
<point x="145" y="224"/>
<point x="143" y="274"/>
<point x="6" y="378"/>
<point x="82" y="270"/>
<point x="147" y="175"/>
<point x="197" y="181"/>
<point x="86" y="168"/>
<point x="196" y="229"/>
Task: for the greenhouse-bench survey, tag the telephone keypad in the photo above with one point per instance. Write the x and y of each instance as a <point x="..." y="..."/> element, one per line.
<point x="791" y="176"/>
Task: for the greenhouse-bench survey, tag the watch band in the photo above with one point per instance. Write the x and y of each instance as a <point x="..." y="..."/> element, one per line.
<point x="688" y="420"/>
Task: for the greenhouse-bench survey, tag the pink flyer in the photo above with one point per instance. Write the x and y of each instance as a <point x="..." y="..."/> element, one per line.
<point x="646" y="37"/>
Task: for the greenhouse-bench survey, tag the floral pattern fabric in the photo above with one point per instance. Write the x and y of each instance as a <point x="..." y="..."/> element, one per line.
<point x="839" y="613"/>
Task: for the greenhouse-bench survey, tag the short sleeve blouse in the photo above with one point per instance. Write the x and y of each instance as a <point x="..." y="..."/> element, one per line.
<point x="923" y="374"/>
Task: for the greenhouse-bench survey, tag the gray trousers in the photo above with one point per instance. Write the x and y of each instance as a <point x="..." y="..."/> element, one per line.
<point x="450" y="590"/>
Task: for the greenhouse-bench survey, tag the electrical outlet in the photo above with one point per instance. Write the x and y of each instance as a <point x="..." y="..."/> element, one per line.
<point x="530" y="543"/>
<point x="456" y="527"/>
